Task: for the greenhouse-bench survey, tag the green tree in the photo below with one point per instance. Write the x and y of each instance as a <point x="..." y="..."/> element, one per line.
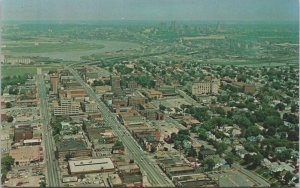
<point x="162" y="107"/>
<point x="6" y="163"/>
<point x="241" y="120"/>
<point x="223" y="98"/>
<point x="280" y="106"/>
<point x="200" y="113"/>
<point x="272" y="121"/>
<point x="10" y="119"/>
<point x="8" y="105"/>
<point x="210" y="163"/>
<point x="42" y="184"/>
<point x="221" y="111"/>
<point x="254" y="160"/>
<point x="221" y="148"/>
<point x="118" y="143"/>
<point x="13" y="91"/>
<point x="294" y="108"/>
<point x="192" y="152"/>
<point x="252" y="131"/>
<point x="123" y="69"/>
<point x="284" y="155"/>
<point x="202" y="133"/>
<point x="98" y="83"/>
<point x="229" y="159"/>
<point x="68" y="156"/>
<point x="290" y="118"/>
<point x="293" y="135"/>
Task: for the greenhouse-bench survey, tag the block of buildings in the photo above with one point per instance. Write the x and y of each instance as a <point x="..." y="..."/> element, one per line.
<point x="131" y="118"/>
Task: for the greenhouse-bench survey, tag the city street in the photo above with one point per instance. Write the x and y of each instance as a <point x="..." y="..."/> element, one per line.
<point x="49" y="145"/>
<point x="154" y="174"/>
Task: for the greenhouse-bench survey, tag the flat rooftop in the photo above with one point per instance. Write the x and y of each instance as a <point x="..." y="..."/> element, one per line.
<point x="91" y="165"/>
<point x="26" y="153"/>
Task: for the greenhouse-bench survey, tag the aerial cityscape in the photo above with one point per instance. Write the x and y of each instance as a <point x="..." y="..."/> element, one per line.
<point x="137" y="93"/>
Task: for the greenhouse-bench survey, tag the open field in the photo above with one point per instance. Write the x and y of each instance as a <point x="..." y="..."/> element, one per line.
<point x="21" y="70"/>
<point x="15" y="71"/>
<point x="50" y="47"/>
<point x="69" y="51"/>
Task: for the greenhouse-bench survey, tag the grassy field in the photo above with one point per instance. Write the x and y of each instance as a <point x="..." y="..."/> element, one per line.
<point x="21" y="70"/>
<point x="14" y="71"/>
<point x="51" y="47"/>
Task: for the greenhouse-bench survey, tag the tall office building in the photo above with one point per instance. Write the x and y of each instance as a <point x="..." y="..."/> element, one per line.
<point x="66" y="107"/>
<point x="115" y="83"/>
<point x="54" y="83"/>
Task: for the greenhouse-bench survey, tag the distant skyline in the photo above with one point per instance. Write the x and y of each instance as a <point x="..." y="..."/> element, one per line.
<point x="202" y="10"/>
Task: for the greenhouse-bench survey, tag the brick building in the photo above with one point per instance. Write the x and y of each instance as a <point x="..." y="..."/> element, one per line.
<point x="23" y="133"/>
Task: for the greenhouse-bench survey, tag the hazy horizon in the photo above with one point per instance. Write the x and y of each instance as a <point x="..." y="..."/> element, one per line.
<point x="155" y="10"/>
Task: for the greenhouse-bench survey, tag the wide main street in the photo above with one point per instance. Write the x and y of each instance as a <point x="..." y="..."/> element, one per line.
<point x="155" y="176"/>
<point x="51" y="162"/>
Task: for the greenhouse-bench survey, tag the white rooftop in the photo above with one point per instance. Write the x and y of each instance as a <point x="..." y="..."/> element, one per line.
<point x="91" y="165"/>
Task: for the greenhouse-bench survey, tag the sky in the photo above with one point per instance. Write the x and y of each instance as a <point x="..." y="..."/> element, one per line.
<point x="203" y="10"/>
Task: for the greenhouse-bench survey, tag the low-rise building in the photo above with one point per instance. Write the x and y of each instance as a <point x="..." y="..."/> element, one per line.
<point x="26" y="155"/>
<point x="132" y="85"/>
<point x="23" y="132"/>
<point x="205" y="87"/>
<point x="129" y="169"/>
<point x="90" y="107"/>
<point x="153" y="94"/>
<point x="91" y="166"/>
<point x="132" y="118"/>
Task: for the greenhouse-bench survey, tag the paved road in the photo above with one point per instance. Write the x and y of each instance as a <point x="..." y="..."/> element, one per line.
<point x="155" y="176"/>
<point x="51" y="162"/>
<point x="259" y="181"/>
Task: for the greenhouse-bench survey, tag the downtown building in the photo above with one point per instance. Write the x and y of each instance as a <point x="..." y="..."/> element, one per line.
<point x="115" y="84"/>
<point x="205" y="87"/>
<point x="54" y="83"/>
<point x="66" y="107"/>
